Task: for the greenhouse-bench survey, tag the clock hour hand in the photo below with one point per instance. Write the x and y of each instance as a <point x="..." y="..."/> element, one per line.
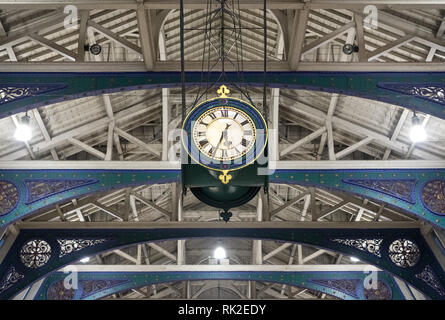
<point x="226" y="138"/>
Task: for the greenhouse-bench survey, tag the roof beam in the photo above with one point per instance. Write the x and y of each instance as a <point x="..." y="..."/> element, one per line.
<point x="137" y="141"/>
<point x="84" y="16"/>
<point x="298" y="36"/>
<point x="44" y="132"/>
<point x="153" y="205"/>
<point x="392" y="45"/>
<point x="362" y="55"/>
<point x="199" y="4"/>
<point x="142" y="225"/>
<point x="396" y="131"/>
<point x="329" y="37"/>
<point x="345" y="125"/>
<point x="352" y="148"/>
<point x="164" y="66"/>
<point x="87" y="148"/>
<point x="114" y="37"/>
<point x="288" y="204"/>
<point x="276" y="251"/>
<point x="53" y="46"/>
<point x="170" y="165"/>
<point x="215" y="268"/>
<point x="303" y="141"/>
<point x="146" y="36"/>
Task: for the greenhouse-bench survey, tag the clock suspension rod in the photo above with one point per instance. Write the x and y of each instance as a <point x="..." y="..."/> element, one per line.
<point x="184" y="107"/>
<point x="222" y="50"/>
<point x="181" y="35"/>
<point x="265" y="108"/>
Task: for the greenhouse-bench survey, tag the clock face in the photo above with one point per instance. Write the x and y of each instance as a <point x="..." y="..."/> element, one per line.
<point x="224" y="133"/>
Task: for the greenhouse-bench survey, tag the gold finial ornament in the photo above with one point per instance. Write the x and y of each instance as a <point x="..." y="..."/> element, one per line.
<point x="225" y="177"/>
<point x="223" y="91"/>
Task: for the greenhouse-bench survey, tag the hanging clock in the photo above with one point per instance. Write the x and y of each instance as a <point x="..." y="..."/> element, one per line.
<point x="224" y="134"/>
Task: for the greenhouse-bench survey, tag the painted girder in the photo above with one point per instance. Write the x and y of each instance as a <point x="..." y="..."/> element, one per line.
<point x="409" y="186"/>
<point x="346" y="285"/>
<point x="420" y="91"/>
<point x="23" y="192"/>
<point x="399" y="249"/>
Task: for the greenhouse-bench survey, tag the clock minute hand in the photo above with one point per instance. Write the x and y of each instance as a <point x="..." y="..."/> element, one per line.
<point x="220" y="140"/>
<point x="223" y="136"/>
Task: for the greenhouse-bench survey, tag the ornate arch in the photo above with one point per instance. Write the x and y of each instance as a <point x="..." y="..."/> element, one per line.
<point x="347" y="285"/>
<point x="398" y="248"/>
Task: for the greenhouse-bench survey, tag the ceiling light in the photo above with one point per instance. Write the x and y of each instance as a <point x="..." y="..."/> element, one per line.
<point x="85" y="260"/>
<point x="23" y="131"/>
<point x="354" y="259"/>
<point x="220" y="253"/>
<point x="417" y="133"/>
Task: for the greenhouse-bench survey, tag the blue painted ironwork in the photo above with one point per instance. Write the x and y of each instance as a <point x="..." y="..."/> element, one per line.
<point x="391" y="87"/>
<point x="319" y="237"/>
<point x="68" y="246"/>
<point x="108" y="283"/>
<point x="433" y="196"/>
<point x="426" y="91"/>
<point x="404" y="253"/>
<point x="9" y="93"/>
<point x="38" y="189"/>
<point x="9" y="197"/>
<point x="399" y="188"/>
<point x="35" y="253"/>
<point x="350" y="287"/>
<point x="427" y="195"/>
<point x="425" y="200"/>
<point x="382" y="292"/>
<point x="430" y="278"/>
<point x="9" y="279"/>
<point x="23" y="192"/>
<point x="368" y="245"/>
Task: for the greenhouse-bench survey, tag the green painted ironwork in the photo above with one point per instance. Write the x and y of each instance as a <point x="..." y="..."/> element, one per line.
<point x="375" y="184"/>
<point x="346" y="285"/>
<point x="370" y="245"/>
<point x="66" y="189"/>
<point x="422" y="91"/>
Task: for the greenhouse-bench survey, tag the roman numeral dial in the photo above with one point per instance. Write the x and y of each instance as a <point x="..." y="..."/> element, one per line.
<point x="224" y="133"/>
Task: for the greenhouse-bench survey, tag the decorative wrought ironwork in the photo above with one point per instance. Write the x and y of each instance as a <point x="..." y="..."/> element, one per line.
<point x="11" y="277"/>
<point x="9" y="197"/>
<point x="404" y="253"/>
<point x="68" y="246"/>
<point x="368" y="245"/>
<point x="433" y="196"/>
<point x="58" y="291"/>
<point x="35" y="253"/>
<point x="38" y="189"/>
<point x="90" y="287"/>
<point x="10" y="93"/>
<point x="428" y="92"/>
<point x="401" y="188"/>
<point x="429" y="277"/>
<point x="382" y="292"/>
<point x="348" y="286"/>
